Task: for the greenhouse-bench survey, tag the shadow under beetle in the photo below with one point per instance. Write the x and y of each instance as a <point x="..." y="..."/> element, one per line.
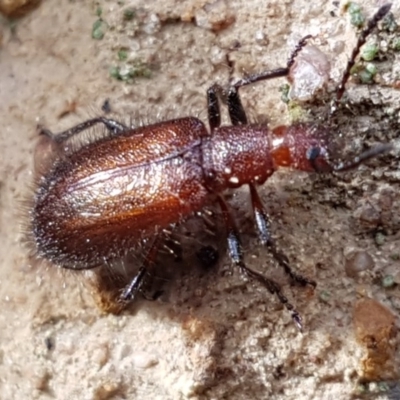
<point x="99" y="200"/>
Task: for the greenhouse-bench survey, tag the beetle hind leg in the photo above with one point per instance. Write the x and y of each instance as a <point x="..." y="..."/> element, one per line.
<point x="236" y="254"/>
<point x="263" y="226"/>
<point x="137" y="283"/>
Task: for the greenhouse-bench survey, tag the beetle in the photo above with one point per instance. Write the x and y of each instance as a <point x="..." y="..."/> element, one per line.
<point x="99" y="199"/>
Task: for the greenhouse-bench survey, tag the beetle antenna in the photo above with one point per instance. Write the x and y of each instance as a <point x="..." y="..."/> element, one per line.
<point x="362" y="38"/>
<point x="360" y="159"/>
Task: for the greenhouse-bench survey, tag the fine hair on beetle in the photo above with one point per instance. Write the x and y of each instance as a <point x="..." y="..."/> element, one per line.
<point x="196" y="241"/>
<point x="129" y="189"/>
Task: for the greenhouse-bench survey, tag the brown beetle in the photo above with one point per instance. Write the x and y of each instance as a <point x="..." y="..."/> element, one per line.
<point x="102" y="198"/>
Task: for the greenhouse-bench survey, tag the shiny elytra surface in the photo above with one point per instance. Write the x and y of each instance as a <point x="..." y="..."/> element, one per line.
<point x="102" y="199"/>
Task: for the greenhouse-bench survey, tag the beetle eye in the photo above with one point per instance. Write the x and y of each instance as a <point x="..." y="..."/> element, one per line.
<point x="312" y="153"/>
<point x="318" y="158"/>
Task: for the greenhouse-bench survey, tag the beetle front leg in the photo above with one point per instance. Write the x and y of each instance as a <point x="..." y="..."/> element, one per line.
<point x="235" y="107"/>
<point x="213" y="109"/>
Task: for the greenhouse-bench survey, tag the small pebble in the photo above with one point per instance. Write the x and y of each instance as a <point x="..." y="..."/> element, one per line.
<point x="374" y="327"/>
<point x="143" y="360"/>
<point x="357" y="262"/>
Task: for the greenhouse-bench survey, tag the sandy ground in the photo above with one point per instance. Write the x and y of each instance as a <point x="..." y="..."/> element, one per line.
<point x="214" y="336"/>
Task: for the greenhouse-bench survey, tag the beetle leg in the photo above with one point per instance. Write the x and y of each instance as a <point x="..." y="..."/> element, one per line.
<point x="235" y="107"/>
<point x="135" y="285"/>
<point x="274" y="73"/>
<point x="113" y="127"/>
<point x="213" y="110"/>
<point x="263" y="226"/>
<point x="236" y="254"/>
